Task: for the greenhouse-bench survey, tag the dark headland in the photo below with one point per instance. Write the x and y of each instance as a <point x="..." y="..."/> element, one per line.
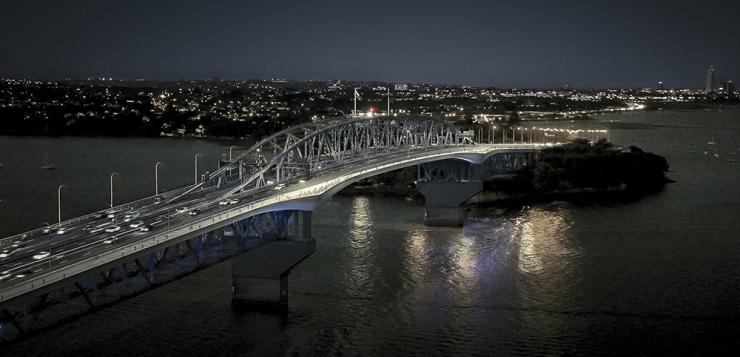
<point x="576" y="171"/>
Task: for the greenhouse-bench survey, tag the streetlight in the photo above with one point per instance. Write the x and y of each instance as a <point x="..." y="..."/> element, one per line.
<point x="230" y="148"/>
<point x="196" y="167"/>
<point x="59" y="205"/>
<point x="530" y="135"/>
<point x="111" y="188"/>
<point x="156" y="178"/>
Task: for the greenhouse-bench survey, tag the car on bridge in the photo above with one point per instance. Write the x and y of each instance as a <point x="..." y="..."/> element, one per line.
<point x="47" y="230"/>
<point x="24" y="273"/>
<point x="41" y="255"/>
<point x="62" y="230"/>
<point x="6" y="253"/>
<point x="113" y="229"/>
<point x="181" y="209"/>
<point x="146" y="228"/>
<point x="136" y="224"/>
<point x="18" y="244"/>
<point x="194" y="212"/>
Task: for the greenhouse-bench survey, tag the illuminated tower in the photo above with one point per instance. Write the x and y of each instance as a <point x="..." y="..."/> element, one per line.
<point x="710" y="79"/>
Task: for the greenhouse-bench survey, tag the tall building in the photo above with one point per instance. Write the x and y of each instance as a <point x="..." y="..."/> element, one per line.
<point x="710" y="79"/>
<point x="730" y="87"/>
<point x="660" y="85"/>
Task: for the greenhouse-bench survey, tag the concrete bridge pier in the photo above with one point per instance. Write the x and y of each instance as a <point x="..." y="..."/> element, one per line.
<point x="446" y="185"/>
<point x="260" y="276"/>
<point x="444" y="200"/>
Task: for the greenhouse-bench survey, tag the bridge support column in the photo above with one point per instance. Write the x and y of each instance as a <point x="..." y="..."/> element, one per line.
<point x="444" y="200"/>
<point x="446" y="185"/>
<point x="260" y="276"/>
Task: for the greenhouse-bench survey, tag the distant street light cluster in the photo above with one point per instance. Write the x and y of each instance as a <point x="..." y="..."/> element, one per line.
<point x="218" y="108"/>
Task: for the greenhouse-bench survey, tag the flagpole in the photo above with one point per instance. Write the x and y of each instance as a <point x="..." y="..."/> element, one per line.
<point x="388" y="111"/>
<point x="354" y="112"/>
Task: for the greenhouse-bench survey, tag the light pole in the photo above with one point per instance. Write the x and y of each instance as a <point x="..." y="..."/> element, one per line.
<point x="196" y="168"/>
<point x="530" y="135"/>
<point x="111" y="188"/>
<point x="230" y="148"/>
<point x="59" y="205"/>
<point x="156" y="178"/>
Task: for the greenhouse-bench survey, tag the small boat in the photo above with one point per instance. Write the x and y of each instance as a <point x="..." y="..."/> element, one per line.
<point x="48" y="167"/>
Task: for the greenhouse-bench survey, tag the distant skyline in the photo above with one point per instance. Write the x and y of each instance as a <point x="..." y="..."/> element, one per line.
<point x="528" y="44"/>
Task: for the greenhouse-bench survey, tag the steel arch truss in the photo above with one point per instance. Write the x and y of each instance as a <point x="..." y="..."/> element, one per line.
<point x="299" y="152"/>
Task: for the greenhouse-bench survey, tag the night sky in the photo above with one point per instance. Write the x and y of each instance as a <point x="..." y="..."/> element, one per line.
<point x="485" y="43"/>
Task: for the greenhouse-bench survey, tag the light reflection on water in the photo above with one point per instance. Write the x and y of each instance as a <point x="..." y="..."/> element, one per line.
<point x="542" y="234"/>
<point x="361" y="247"/>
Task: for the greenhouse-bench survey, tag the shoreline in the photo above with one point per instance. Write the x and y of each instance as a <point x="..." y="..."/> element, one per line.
<point x="556" y="117"/>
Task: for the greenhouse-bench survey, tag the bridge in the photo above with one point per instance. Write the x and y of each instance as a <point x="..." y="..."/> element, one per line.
<point x="255" y="209"/>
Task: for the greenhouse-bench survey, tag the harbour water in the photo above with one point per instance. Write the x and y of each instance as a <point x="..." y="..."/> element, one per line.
<point x="658" y="275"/>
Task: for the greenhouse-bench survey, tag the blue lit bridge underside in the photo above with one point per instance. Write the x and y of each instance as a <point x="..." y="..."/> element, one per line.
<point x="256" y="208"/>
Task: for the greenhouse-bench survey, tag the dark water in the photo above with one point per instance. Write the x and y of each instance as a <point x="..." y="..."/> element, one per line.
<point x="28" y="193"/>
<point x="656" y="276"/>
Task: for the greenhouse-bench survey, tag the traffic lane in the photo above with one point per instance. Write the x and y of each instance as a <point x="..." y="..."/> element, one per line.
<point x="91" y="243"/>
<point x="206" y="201"/>
<point x="78" y="231"/>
